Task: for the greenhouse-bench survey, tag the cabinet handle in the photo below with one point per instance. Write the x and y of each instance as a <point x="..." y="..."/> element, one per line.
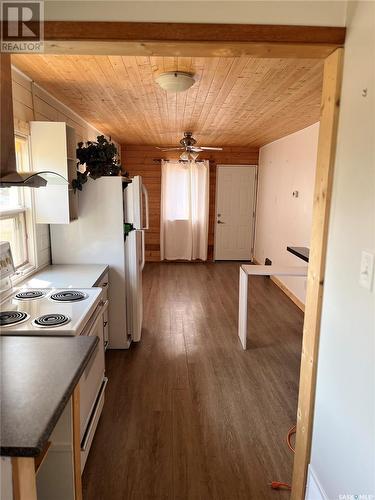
<point x="105" y="323"/>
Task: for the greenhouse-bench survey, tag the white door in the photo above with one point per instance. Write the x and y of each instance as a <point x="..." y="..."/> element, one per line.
<point x="235" y="212"/>
<point x="134" y="247"/>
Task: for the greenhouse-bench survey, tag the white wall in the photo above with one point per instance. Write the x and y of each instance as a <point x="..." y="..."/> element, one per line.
<point x="343" y="447"/>
<point x="42" y="106"/>
<point x="303" y="12"/>
<point x="286" y="165"/>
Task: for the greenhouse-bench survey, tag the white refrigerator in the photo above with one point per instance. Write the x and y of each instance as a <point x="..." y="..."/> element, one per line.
<point x="136" y="213"/>
<point x="98" y="237"/>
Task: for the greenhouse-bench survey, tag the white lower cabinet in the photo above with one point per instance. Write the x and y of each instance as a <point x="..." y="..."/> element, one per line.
<point x="92" y="424"/>
<point x="92" y="385"/>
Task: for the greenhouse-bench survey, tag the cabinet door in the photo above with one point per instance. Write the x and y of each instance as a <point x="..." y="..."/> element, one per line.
<point x="91" y="379"/>
<point x="52" y="147"/>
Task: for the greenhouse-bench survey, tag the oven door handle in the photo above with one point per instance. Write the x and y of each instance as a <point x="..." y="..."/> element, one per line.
<point x="100" y="310"/>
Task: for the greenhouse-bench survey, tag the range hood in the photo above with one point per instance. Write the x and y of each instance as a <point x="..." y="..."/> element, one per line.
<point x="31" y="179"/>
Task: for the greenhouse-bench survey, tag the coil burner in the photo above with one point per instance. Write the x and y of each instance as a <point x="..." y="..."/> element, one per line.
<point x="51" y="320"/>
<point x="29" y="295"/>
<point x="68" y="296"/>
<point x="10" y="318"/>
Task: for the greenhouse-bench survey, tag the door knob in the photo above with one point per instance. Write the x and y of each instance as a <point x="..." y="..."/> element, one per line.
<point x="220" y="222"/>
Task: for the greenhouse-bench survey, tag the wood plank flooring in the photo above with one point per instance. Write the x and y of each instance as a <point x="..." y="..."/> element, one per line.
<point x="189" y="414"/>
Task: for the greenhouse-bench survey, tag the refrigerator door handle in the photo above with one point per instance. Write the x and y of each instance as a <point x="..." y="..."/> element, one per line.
<point x="145" y="194"/>
<point x="143" y="251"/>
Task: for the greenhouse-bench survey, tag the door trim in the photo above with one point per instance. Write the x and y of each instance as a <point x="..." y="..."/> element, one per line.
<point x="254" y="207"/>
<point x="82" y="37"/>
<point x="330" y="106"/>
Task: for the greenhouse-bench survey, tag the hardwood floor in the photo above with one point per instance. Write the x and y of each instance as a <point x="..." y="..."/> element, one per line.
<point x="188" y="413"/>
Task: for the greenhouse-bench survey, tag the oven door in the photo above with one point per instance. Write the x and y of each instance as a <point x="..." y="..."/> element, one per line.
<point x="92" y="378"/>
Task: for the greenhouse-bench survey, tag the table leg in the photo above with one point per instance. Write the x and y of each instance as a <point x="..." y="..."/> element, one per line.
<point x="242" y="308"/>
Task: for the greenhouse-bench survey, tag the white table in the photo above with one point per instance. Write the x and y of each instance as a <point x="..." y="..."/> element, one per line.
<point x="254" y="270"/>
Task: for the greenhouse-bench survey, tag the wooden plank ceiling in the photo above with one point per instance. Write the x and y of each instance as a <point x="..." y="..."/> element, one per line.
<point x="236" y="101"/>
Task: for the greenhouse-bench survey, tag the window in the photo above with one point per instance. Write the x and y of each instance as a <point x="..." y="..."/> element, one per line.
<point x="15" y="205"/>
<point x="177" y="190"/>
<point x="184" y="210"/>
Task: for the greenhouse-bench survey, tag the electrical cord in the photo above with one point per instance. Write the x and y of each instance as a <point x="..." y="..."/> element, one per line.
<point x="279" y="485"/>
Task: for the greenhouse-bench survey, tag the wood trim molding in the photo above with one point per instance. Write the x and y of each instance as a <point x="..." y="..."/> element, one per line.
<point x="8" y="155"/>
<point x="76" y="444"/>
<point x="186" y="39"/>
<point x="39" y="459"/>
<point x="190" y="49"/>
<point x="316" y="272"/>
<point x="288" y="293"/>
<point x="23" y="478"/>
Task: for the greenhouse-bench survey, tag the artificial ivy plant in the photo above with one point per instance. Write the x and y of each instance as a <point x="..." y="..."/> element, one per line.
<point x="99" y="158"/>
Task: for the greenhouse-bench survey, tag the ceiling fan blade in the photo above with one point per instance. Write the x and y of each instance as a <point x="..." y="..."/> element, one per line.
<point x="206" y="148"/>
<point x="169" y="149"/>
<point x="195" y="149"/>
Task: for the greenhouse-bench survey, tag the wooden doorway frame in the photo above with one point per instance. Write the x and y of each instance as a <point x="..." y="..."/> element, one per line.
<point x="172" y="39"/>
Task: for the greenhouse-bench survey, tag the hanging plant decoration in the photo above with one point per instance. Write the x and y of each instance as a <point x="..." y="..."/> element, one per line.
<point x="99" y="158"/>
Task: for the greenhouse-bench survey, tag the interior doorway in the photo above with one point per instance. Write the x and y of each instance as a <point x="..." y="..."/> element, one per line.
<point x="236" y="187"/>
<point x="168" y="39"/>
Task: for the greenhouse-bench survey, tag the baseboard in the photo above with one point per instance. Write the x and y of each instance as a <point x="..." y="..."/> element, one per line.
<point x="285" y="289"/>
<point x="314" y="490"/>
<point x="288" y="292"/>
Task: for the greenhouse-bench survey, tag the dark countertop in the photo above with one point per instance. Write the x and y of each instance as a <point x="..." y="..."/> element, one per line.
<point x="38" y="376"/>
<point x="301" y="252"/>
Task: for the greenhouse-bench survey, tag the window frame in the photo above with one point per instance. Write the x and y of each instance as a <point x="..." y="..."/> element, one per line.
<point x="25" y="211"/>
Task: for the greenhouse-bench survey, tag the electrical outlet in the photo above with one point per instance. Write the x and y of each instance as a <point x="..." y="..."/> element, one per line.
<point x="366" y="272"/>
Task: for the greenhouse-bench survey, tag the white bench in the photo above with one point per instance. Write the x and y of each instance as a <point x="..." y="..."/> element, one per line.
<point x="255" y="270"/>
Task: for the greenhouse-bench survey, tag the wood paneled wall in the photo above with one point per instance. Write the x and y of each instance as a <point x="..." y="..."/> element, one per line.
<point x="31" y="102"/>
<point x="139" y="160"/>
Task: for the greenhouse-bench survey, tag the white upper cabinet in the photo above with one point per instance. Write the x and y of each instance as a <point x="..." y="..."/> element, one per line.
<point x="53" y="147"/>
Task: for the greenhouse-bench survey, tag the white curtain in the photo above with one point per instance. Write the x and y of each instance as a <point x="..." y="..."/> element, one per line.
<point x="184" y="210"/>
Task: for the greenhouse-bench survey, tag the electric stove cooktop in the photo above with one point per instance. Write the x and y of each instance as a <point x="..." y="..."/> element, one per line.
<point x="48" y="311"/>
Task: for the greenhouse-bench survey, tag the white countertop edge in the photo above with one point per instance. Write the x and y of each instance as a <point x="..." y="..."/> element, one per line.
<point x="66" y="276"/>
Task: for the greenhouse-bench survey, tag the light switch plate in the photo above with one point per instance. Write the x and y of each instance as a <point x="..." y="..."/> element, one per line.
<point x="366" y="272"/>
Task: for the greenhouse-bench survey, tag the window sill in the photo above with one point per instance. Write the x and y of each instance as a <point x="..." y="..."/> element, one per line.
<point x="23" y="273"/>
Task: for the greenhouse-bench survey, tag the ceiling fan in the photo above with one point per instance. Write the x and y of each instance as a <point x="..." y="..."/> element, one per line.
<point x="190" y="150"/>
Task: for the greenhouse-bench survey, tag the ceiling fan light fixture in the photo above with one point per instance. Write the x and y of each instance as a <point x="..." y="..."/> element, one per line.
<point x="184" y="156"/>
<point x="175" y="81"/>
<point x="194" y="155"/>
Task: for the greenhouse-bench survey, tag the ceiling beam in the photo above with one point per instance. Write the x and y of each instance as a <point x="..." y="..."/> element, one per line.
<point x="186" y="39"/>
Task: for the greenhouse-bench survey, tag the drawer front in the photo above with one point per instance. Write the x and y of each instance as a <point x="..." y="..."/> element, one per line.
<point x="92" y="424"/>
<point x="91" y="379"/>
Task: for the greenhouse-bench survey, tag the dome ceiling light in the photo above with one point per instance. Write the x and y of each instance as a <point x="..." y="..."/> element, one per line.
<point x="175" y="81"/>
